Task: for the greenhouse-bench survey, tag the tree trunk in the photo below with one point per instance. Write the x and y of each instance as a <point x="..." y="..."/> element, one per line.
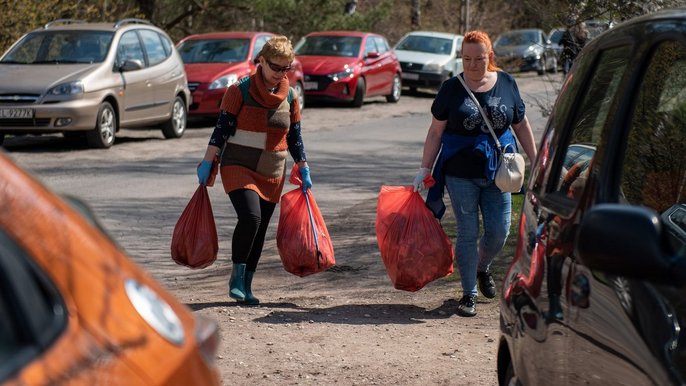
<point x="416" y="23"/>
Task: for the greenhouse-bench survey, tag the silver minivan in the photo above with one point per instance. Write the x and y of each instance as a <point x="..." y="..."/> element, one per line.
<point x="78" y="78"/>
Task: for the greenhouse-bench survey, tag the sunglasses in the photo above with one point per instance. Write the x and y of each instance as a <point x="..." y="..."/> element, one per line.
<point x="277" y="68"/>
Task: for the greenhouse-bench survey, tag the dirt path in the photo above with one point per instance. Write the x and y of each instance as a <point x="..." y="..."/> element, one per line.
<point x="346" y="326"/>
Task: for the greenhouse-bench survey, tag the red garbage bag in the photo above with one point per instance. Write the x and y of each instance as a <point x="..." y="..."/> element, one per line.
<point x="413" y="245"/>
<point x="302" y="239"/>
<point x="194" y="242"/>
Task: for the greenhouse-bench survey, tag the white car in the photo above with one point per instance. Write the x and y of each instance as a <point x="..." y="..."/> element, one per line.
<point x="428" y="58"/>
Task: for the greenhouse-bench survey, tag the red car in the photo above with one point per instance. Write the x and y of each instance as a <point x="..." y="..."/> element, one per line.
<point x="214" y="61"/>
<point x="348" y="66"/>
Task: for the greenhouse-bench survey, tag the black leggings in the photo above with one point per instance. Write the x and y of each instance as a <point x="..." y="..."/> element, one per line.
<point x="254" y="214"/>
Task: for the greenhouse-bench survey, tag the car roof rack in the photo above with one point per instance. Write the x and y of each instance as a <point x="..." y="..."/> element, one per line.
<point x="131" y="21"/>
<point x="62" y="22"/>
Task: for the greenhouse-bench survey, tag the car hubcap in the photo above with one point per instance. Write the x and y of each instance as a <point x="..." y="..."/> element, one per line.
<point x="396" y="87"/>
<point x="179" y="117"/>
<point x="107" y="126"/>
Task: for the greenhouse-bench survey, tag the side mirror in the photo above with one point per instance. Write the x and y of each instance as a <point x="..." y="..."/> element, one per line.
<point x="626" y="241"/>
<point x="131" y="65"/>
<point x="373" y="55"/>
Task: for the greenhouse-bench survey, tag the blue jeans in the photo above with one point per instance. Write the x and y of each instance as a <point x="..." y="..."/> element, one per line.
<point x="469" y="197"/>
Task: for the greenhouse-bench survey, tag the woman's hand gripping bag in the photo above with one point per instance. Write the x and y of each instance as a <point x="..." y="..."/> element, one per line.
<point x="413" y="245"/>
<point x="194" y="241"/>
<point x="301" y="236"/>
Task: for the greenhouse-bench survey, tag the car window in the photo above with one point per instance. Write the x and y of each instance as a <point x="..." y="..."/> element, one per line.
<point x="589" y="123"/>
<point x="153" y="46"/>
<point x="348" y="46"/>
<point x="259" y="43"/>
<point x="32" y="314"/>
<point x="654" y="169"/>
<point x="369" y="46"/>
<point x="381" y="44"/>
<point x="130" y="48"/>
<point x="214" y="50"/>
<point x="61" y="47"/>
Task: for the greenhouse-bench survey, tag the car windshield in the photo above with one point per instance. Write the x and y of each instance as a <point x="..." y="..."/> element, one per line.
<point x="329" y="46"/>
<point x="525" y="38"/>
<point x="60" y="47"/>
<point x="214" y="50"/>
<point x="428" y="44"/>
<point x="556" y="36"/>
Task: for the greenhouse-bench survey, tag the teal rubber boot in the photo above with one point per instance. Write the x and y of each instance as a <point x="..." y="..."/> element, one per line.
<point x="237" y="282"/>
<point x="249" y="298"/>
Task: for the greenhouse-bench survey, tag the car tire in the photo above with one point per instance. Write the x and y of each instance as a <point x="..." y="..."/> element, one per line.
<point x="102" y="137"/>
<point x="554" y="68"/>
<point x="541" y="66"/>
<point x="176" y="125"/>
<point x="510" y="379"/>
<point x="394" y="96"/>
<point x="300" y="94"/>
<point x="359" y="92"/>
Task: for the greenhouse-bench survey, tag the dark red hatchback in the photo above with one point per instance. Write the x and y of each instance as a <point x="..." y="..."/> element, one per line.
<point x="214" y="61"/>
<point x="348" y="66"/>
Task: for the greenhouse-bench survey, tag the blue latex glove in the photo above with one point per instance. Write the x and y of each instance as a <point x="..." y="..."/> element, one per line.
<point x="204" y="172"/>
<point x="305" y="174"/>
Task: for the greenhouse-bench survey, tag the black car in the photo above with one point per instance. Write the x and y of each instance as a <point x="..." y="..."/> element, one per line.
<point x="596" y="291"/>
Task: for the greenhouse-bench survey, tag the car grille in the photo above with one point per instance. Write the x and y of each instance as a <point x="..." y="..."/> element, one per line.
<point x="35" y="122"/>
<point x="19" y="98"/>
<point x="193" y="85"/>
<point x="410" y="66"/>
<point x="323" y="81"/>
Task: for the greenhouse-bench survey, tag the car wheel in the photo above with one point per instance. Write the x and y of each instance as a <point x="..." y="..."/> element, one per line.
<point x="394" y="96"/>
<point x="300" y="93"/>
<point x="554" y="69"/>
<point x="176" y="125"/>
<point x="359" y="92"/>
<point x="541" y="66"/>
<point x="102" y="137"/>
<point x="510" y="378"/>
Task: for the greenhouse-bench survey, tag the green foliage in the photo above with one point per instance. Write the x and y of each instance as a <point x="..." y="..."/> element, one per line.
<point x="28" y="15"/>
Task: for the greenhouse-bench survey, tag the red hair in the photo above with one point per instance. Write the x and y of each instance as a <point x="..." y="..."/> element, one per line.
<point x="481" y="37"/>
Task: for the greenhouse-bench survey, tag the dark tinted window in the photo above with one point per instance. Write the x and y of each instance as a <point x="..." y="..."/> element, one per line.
<point x="32" y="314"/>
<point x="654" y="169"/>
<point x="329" y="46"/>
<point x="592" y="114"/>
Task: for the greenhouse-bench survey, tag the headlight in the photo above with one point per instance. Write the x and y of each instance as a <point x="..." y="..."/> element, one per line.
<point x="71" y="88"/>
<point x="432" y="67"/>
<point x="348" y="72"/>
<point x="156" y="312"/>
<point x="532" y="52"/>
<point x="224" y="81"/>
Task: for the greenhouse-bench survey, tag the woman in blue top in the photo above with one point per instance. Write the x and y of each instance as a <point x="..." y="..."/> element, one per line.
<point x="463" y="151"/>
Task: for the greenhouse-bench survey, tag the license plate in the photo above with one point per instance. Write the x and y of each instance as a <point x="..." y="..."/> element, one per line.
<point x="311" y="85"/>
<point x="16" y="113"/>
<point x="408" y="75"/>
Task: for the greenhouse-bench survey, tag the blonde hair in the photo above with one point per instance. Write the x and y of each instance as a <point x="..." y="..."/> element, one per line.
<point x="481" y="37"/>
<point x="279" y="47"/>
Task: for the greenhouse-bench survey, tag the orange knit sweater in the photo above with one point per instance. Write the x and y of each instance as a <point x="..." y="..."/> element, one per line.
<point x="255" y="157"/>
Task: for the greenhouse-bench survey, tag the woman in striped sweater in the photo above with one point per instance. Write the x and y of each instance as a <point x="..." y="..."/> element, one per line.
<point x="259" y="124"/>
